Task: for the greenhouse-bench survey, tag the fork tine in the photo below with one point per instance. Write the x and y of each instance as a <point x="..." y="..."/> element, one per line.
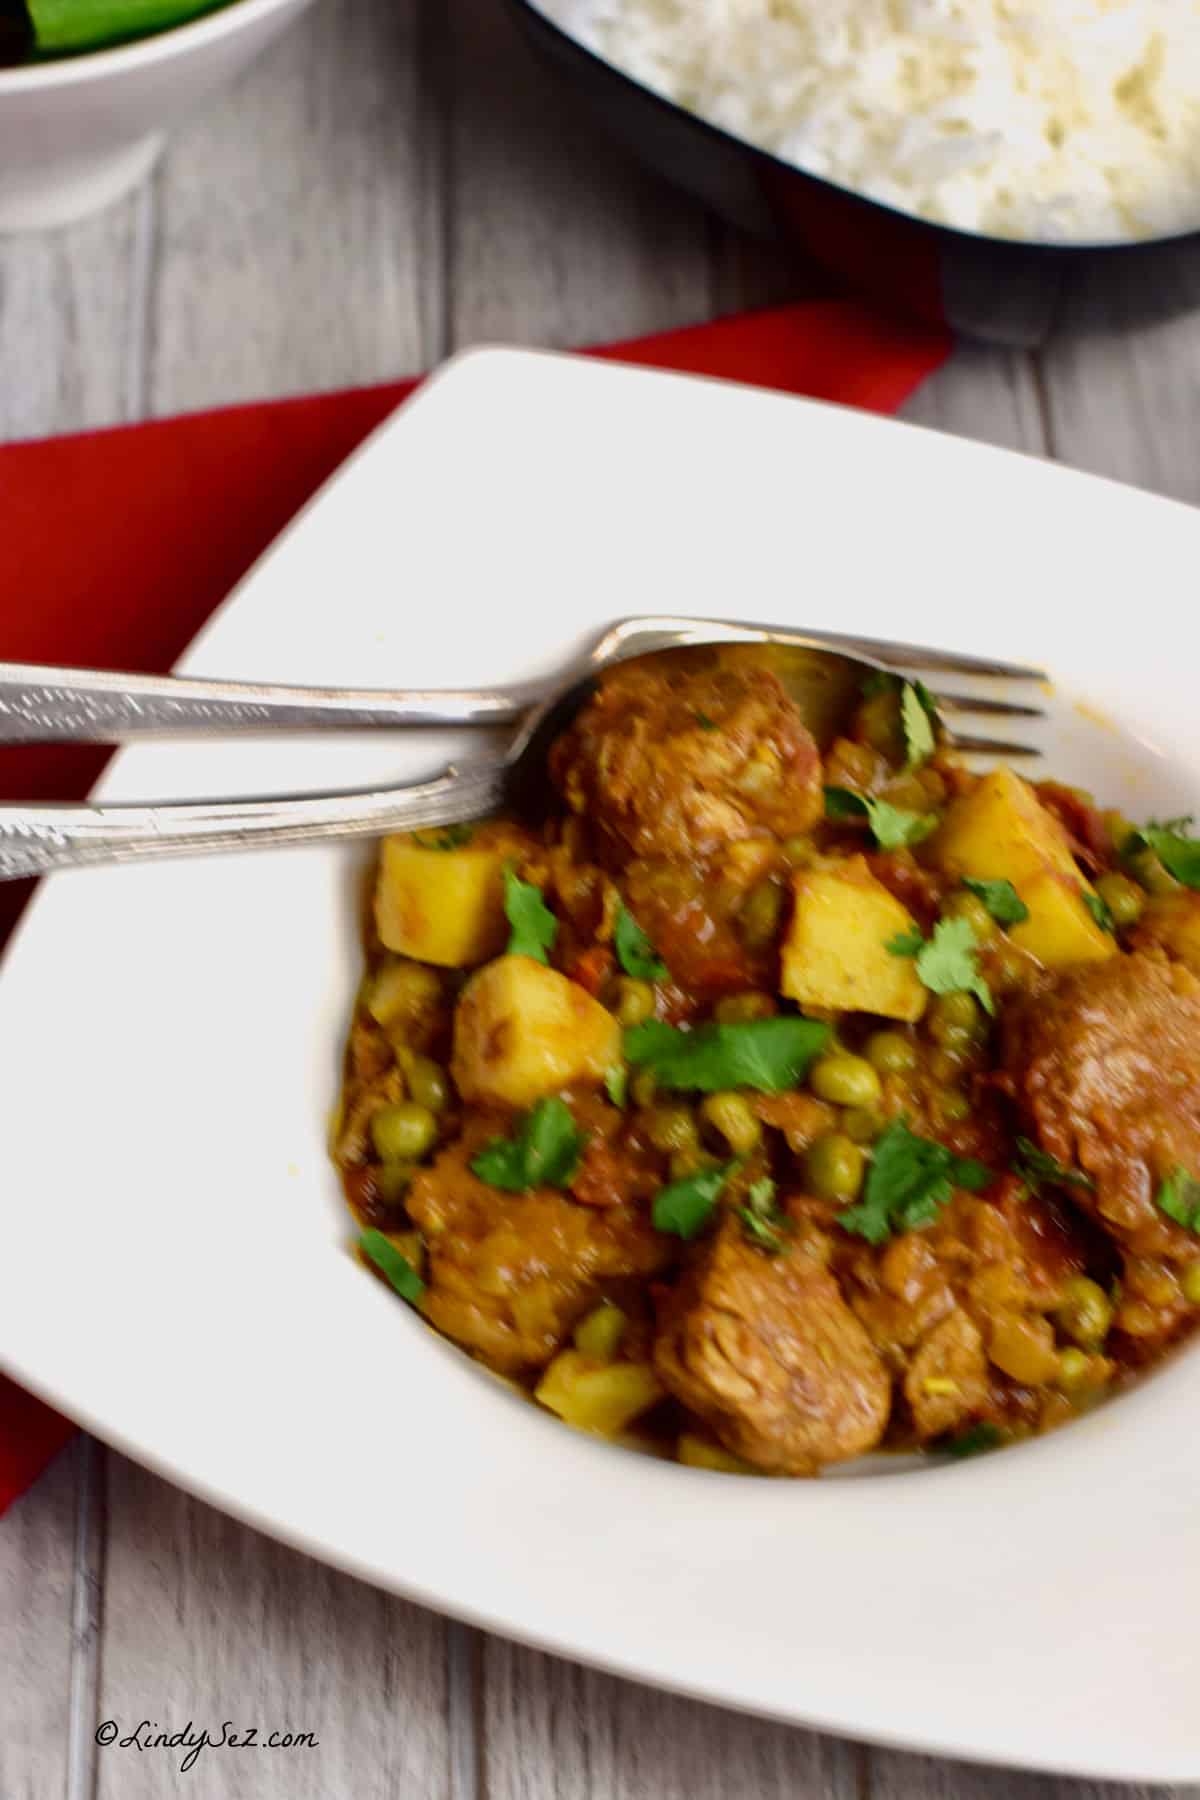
<point x="886" y="650"/>
<point x="992" y="746"/>
<point x="960" y="703"/>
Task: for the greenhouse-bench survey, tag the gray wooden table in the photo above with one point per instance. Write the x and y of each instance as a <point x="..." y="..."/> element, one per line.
<point x="396" y="180"/>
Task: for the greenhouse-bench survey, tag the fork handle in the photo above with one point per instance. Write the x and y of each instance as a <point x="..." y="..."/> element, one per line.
<point x="42" y="703"/>
<point x="35" y="840"/>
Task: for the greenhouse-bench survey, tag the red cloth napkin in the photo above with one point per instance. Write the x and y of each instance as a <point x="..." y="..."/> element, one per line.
<point x="115" y="546"/>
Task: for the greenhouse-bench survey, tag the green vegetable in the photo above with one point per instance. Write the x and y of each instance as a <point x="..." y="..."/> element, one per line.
<point x="686" y="1206"/>
<point x="975" y="1441"/>
<point x="833" y="1167"/>
<point x="891" y="1053"/>
<point x="1179" y="1197"/>
<point x="635" y="952"/>
<point x="768" y="1054"/>
<point x="1034" y="1167"/>
<point x="948" y="962"/>
<point x="616" y="1086"/>
<point x="544" y="1152"/>
<point x="762" y="1221"/>
<point x="918" y="716"/>
<point x="1001" y="899"/>
<point x="403" y="1132"/>
<point x="452" y="838"/>
<point x="389" y="1262"/>
<point x="1100" y="911"/>
<point x="64" y="27"/>
<point x="534" y="927"/>
<point x="891" y="827"/>
<point x="1178" y="854"/>
<point x="911" y="1179"/>
<point x="1124" y="899"/>
<point x="705" y="723"/>
<point x="845" y="1080"/>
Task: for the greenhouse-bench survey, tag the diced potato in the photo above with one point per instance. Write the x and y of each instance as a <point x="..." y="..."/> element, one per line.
<point x="604" y="1398"/>
<point x="702" y="1453"/>
<point x="441" y="906"/>
<point x="522" y="1030"/>
<point x="835" y="953"/>
<point x="1173" y="921"/>
<point x="1000" y="831"/>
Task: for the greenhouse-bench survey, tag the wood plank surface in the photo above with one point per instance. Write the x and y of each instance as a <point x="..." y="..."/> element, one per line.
<point x="393" y="180"/>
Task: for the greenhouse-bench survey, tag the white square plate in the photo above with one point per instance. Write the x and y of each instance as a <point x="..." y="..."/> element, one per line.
<point x="174" y="1268"/>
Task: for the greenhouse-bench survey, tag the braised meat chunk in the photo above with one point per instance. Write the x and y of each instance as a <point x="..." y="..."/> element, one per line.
<point x="682" y="761"/>
<point x="509" y="1274"/>
<point x="765" y="1350"/>
<point x="1106" y="1064"/>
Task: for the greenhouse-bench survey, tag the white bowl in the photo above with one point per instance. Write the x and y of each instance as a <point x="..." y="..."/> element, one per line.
<point x="174" y="1265"/>
<point x="78" y="133"/>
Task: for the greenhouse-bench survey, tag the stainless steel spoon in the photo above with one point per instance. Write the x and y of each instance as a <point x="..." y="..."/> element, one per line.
<point x="824" y="671"/>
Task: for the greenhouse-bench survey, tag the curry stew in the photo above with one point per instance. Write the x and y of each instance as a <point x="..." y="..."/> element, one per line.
<point x="766" y="1107"/>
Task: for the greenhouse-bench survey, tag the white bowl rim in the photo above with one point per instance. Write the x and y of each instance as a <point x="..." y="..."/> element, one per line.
<point x="119" y="59"/>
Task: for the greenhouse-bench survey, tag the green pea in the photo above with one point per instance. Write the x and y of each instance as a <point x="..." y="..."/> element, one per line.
<point x="428" y="1084"/>
<point x="598" y="1335"/>
<point x="635" y="1001"/>
<point x="1086" y="1311"/>
<point x="402" y="990"/>
<point x="689" y="1162"/>
<point x="403" y="1132"/>
<point x="966" y="905"/>
<point x="862" y="1124"/>
<point x="733" y="1116"/>
<point x="671" y="1128"/>
<point x="953" y="1105"/>
<point x="834" y="1167"/>
<point x="1150" y="874"/>
<point x="392" y="1182"/>
<point x="845" y="1081"/>
<point x="643" y="1088"/>
<point x="891" y="1053"/>
<point x="1073" y="1366"/>
<point x="735" y="1009"/>
<point x="1190" y="1283"/>
<point x="1123" y="898"/>
<point x="954" y="1016"/>
<point x="798" y="852"/>
<point x="758" y="920"/>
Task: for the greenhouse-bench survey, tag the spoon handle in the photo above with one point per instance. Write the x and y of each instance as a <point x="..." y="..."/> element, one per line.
<point x="42" y="703"/>
<point x="35" y="840"/>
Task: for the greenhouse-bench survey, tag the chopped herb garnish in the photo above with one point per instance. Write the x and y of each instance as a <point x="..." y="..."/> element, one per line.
<point x="534" y="927"/>
<point x="1179" y="1197"/>
<point x="767" y="1054"/>
<point x="616" y="1085"/>
<point x="543" y="1152"/>
<point x="1100" y="911"/>
<point x="878" y="682"/>
<point x="1001" y="899"/>
<point x="685" y="1207"/>
<point x="389" y="1261"/>
<point x="918" y="717"/>
<point x="1178" y="854"/>
<point x="705" y="723"/>
<point x="891" y="827"/>
<point x="1034" y="1167"/>
<point x="764" y="1223"/>
<point x="910" y="1179"/>
<point x="949" y="963"/>
<point x="975" y="1440"/>
<point x="453" y="837"/>
<point x="635" y="952"/>
<point x="906" y="943"/>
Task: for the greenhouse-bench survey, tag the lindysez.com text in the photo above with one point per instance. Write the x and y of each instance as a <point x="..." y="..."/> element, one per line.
<point x="148" y="1734"/>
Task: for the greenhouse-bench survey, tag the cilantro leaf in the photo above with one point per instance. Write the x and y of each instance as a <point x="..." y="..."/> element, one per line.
<point x="917" y="717"/>
<point x="452" y="837"/>
<point x="949" y="963"/>
<point x="975" y="1440"/>
<point x="534" y="926"/>
<point x="762" y="1221"/>
<point x="878" y="682"/>
<point x="891" y="827"/>
<point x="616" y="1085"/>
<point x="389" y="1261"/>
<point x="1099" y="910"/>
<point x="1001" y="899"/>
<point x="1179" y="1197"/>
<point x="906" y="943"/>
<point x="911" y="1178"/>
<point x="544" y="1152"/>
<point x="705" y="723"/>
<point x="1179" y="855"/>
<point x="1034" y="1167"/>
<point x="767" y="1054"/>
<point x="685" y="1207"/>
<point x="635" y="952"/>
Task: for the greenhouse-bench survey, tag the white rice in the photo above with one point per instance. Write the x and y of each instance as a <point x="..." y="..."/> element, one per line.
<point x="1055" y="120"/>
